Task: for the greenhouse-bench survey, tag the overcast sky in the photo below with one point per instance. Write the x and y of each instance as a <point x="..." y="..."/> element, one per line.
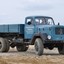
<point x="15" y="11"/>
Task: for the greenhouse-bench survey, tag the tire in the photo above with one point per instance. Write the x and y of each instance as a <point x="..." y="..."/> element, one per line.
<point x="61" y="49"/>
<point x="4" y="45"/>
<point x="8" y="45"/>
<point x="39" y="46"/>
<point x="22" y="48"/>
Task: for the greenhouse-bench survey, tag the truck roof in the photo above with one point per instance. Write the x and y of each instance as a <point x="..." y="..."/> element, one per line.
<point x="39" y="16"/>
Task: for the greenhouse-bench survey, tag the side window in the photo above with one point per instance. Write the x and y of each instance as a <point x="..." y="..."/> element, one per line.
<point x="40" y="21"/>
<point x="37" y="21"/>
<point x="29" y="21"/>
<point x="50" y="22"/>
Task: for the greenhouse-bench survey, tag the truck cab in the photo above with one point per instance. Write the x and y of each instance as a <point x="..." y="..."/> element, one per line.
<point x="43" y="25"/>
<point x="42" y="32"/>
<point x="35" y="24"/>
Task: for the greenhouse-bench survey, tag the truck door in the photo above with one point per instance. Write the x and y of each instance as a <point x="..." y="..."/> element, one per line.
<point x="29" y="28"/>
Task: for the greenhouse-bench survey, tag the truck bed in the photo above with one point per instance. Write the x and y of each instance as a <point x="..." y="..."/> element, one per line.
<point x="13" y="28"/>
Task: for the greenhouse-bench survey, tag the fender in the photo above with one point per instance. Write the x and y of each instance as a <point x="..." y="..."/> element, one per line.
<point x="43" y="36"/>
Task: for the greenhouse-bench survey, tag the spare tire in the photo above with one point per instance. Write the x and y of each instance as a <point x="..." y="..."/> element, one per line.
<point x="4" y="45"/>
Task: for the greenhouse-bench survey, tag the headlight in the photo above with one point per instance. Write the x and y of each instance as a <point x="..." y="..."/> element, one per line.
<point x="49" y="37"/>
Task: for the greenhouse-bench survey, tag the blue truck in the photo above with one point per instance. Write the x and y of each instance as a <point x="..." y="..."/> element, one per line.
<point x="39" y="31"/>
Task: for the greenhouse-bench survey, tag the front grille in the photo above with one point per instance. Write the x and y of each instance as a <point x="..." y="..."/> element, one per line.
<point x="59" y="31"/>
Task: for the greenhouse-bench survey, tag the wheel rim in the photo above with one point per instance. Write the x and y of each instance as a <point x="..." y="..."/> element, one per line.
<point x="36" y="46"/>
<point x="0" y="45"/>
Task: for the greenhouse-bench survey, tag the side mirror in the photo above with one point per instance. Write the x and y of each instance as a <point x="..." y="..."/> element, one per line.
<point x="29" y="23"/>
<point x="58" y="23"/>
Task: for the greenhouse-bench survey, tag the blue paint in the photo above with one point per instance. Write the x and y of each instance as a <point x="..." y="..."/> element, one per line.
<point x="15" y="28"/>
<point x="30" y="30"/>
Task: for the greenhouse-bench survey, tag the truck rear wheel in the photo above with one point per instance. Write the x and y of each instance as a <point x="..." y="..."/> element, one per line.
<point x="39" y="46"/>
<point x="4" y="45"/>
<point x="61" y="49"/>
<point x="22" y="48"/>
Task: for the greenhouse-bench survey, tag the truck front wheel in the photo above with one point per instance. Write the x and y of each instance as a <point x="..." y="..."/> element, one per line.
<point x="4" y="45"/>
<point x="22" y="48"/>
<point x="61" y="49"/>
<point x="39" y="46"/>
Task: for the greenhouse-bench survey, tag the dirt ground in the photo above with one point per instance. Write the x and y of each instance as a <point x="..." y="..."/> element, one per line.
<point x="29" y="57"/>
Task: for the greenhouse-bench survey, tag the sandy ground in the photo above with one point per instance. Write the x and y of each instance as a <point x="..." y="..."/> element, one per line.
<point x="29" y="57"/>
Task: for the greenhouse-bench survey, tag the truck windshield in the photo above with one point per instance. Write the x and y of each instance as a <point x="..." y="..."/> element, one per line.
<point x="44" y="21"/>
